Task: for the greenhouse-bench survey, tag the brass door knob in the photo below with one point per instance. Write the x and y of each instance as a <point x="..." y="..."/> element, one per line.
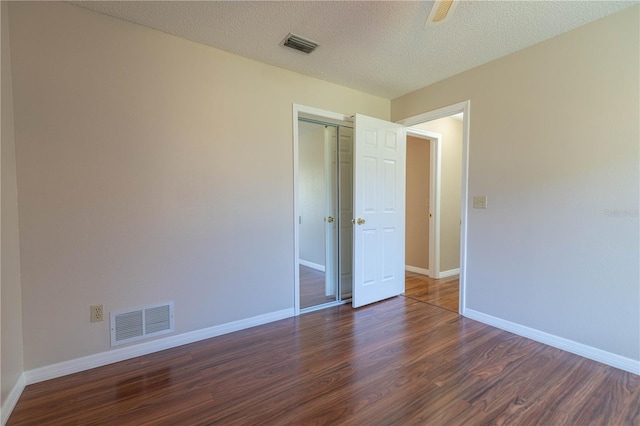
<point x="360" y="221"/>
<point x="330" y="219"/>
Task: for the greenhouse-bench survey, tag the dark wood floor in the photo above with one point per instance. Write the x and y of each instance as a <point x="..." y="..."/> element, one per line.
<point x="397" y="362"/>
<point x="312" y="291"/>
<point x="438" y="292"/>
<point x="442" y="292"/>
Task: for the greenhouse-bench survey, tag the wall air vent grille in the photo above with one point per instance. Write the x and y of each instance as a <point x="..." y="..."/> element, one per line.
<point x="141" y="323"/>
<point x="298" y="43"/>
<point x="128" y="326"/>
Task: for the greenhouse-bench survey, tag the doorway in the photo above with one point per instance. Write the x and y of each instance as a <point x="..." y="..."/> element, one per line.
<point x="423" y="202"/>
<point x="445" y="208"/>
<point x="448" y="202"/>
<point x="325" y="165"/>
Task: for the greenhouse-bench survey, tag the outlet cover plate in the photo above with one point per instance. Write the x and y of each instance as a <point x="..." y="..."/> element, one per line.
<point x="97" y="313"/>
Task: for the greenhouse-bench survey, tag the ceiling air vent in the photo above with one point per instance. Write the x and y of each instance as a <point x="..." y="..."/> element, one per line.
<point x="298" y="43"/>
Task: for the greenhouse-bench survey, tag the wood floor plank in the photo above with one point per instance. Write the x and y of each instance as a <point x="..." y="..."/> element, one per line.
<point x="444" y="292"/>
<point x="312" y="288"/>
<point x="400" y="361"/>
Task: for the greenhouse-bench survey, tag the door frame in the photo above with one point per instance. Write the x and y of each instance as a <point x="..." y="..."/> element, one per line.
<point x="297" y="110"/>
<point x="435" y="161"/>
<point x="464" y="108"/>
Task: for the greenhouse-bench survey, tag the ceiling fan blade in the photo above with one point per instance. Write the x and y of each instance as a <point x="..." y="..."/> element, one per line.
<point x="441" y="11"/>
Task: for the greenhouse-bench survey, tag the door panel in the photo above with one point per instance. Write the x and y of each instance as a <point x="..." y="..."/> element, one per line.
<point x="370" y="172"/>
<point x="379" y="201"/>
<point x="389" y="243"/>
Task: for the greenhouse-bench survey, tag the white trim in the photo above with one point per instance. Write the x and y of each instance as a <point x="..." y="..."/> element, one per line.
<point x="449" y="273"/>
<point x="614" y="360"/>
<point x="297" y="108"/>
<point x="98" y="360"/>
<point x="416" y="270"/>
<point x="311" y="265"/>
<point x="296" y="215"/>
<point x="436" y="114"/>
<point x="435" y="191"/>
<point x="465" y="108"/>
<point x="12" y="399"/>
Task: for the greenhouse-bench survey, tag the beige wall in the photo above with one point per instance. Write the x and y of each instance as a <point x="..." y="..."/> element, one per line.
<point x="450" y="188"/>
<point x="150" y="169"/>
<point x="11" y="361"/>
<point x="417" y="203"/>
<point x="554" y="145"/>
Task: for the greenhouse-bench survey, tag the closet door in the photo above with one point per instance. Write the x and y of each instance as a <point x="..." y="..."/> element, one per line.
<point x="379" y="210"/>
<point x="345" y="150"/>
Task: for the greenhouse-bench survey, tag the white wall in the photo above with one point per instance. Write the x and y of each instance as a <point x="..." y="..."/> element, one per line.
<point x="554" y="145"/>
<point x="11" y="361"/>
<point x="150" y="168"/>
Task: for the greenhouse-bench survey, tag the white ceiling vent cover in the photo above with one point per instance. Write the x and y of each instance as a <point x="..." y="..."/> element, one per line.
<point x="141" y="323"/>
<point x="299" y="43"/>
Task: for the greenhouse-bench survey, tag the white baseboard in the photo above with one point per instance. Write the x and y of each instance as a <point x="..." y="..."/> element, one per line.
<point x="416" y="270"/>
<point x="617" y="361"/>
<point x="311" y="265"/>
<point x="449" y="273"/>
<point x="12" y="399"/>
<point x="116" y="355"/>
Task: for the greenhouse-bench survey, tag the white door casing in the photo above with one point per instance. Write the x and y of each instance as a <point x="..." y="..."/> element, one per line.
<point x="379" y="210"/>
<point x="465" y="108"/>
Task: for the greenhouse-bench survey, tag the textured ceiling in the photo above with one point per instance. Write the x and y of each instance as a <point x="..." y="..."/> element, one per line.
<point x="379" y="47"/>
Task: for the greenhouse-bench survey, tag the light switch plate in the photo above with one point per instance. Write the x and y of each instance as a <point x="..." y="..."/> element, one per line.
<point x="479" y="201"/>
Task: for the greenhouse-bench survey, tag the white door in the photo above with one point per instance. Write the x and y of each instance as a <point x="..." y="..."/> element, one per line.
<point x="379" y="203"/>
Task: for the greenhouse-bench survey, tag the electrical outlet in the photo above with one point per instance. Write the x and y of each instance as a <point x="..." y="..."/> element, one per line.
<point x="97" y="313"/>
